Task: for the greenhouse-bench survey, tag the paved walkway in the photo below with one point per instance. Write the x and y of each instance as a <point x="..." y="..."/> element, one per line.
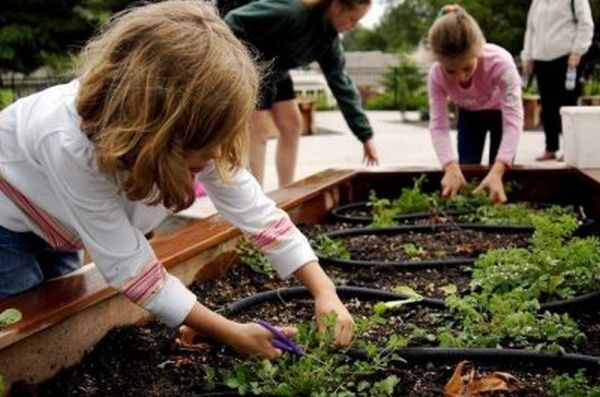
<point x="398" y="144"/>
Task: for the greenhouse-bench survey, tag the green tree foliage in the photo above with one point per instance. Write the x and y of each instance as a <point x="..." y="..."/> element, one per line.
<point x="406" y="22"/>
<point x="37" y="32"/>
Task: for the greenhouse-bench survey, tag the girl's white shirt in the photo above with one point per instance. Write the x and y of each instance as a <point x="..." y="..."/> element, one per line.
<point x="44" y="154"/>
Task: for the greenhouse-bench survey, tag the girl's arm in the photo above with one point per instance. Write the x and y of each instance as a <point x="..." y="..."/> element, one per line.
<point x="270" y="230"/>
<point x="439" y="124"/>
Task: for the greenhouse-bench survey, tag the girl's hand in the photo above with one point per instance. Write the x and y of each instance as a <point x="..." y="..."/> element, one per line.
<point x="255" y="341"/>
<point x="493" y="183"/>
<point x="452" y="181"/>
<point x="370" y="153"/>
<point x="247" y="339"/>
<point x="326" y="303"/>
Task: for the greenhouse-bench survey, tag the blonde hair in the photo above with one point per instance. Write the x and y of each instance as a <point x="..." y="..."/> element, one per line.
<point x="455" y="34"/>
<point x="161" y="80"/>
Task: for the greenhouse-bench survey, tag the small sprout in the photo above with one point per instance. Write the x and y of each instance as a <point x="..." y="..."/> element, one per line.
<point x="253" y="258"/>
<point x="9" y="317"/>
<point x="449" y="289"/>
<point x="412" y="250"/>
<point x="331" y="248"/>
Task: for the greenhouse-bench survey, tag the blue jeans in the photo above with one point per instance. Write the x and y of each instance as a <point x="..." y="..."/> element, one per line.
<point x="472" y="128"/>
<point x="26" y="260"/>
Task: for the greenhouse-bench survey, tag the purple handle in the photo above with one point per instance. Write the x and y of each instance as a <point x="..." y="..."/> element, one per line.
<point x="281" y="340"/>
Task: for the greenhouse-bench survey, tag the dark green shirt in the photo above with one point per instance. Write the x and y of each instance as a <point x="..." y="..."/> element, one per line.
<point x="290" y="34"/>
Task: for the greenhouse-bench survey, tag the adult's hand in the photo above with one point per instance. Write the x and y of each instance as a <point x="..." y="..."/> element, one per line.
<point x="370" y="153"/>
<point x="528" y="67"/>
<point x="574" y="59"/>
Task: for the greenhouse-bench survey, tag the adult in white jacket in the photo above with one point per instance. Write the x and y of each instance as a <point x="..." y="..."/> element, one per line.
<point x="558" y="34"/>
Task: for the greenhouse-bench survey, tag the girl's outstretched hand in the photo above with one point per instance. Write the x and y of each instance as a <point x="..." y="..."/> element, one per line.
<point x="344" y="327"/>
<point x="452" y="181"/>
<point x="493" y="183"/>
<point x="370" y="153"/>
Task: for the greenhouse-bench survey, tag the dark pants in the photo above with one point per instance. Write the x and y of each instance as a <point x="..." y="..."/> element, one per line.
<point x="472" y="130"/>
<point x="26" y="261"/>
<point x="550" y="77"/>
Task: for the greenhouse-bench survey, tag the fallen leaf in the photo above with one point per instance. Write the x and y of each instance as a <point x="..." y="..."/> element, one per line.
<point x="187" y="338"/>
<point x="470" y="384"/>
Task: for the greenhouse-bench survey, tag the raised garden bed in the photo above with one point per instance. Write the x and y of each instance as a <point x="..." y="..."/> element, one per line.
<point x="145" y="357"/>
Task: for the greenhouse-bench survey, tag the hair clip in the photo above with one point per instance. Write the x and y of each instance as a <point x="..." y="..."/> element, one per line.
<point x="448" y="9"/>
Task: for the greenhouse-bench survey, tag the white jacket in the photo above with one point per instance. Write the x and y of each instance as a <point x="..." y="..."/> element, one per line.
<point x="553" y="30"/>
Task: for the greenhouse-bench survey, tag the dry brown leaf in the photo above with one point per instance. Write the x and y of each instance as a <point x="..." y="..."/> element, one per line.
<point x="472" y="385"/>
<point x="187" y="338"/>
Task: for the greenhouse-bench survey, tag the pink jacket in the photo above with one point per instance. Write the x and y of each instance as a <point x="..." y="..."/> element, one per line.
<point x="496" y="84"/>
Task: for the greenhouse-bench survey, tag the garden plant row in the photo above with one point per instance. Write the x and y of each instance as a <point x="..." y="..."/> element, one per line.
<point x="519" y="304"/>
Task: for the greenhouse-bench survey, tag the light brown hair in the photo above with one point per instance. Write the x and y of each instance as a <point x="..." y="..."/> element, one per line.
<point x="455" y="34"/>
<point x="160" y="80"/>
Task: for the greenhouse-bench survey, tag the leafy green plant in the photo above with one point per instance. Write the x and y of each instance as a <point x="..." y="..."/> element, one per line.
<point x="509" y="284"/>
<point x="510" y="320"/>
<point x="2" y="386"/>
<point x="555" y="265"/>
<point x="331" y="248"/>
<point x="322" y="371"/>
<point x="576" y="385"/>
<point x="253" y="258"/>
<point x="413" y="251"/>
<point x="10" y="316"/>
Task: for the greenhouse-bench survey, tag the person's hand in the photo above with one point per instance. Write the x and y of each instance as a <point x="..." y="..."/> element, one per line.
<point x="329" y="302"/>
<point x="493" y="184"/>
<point x="528" y="67"/>
<point x="255" y="341"/>
<point x="370" y="156"/>
<point x="574" y="59"/>
<point x="452" y="181"/>
<point x="248" y="339"/>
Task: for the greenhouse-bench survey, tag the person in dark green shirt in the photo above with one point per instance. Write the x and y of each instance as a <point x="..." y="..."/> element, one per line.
<point x="287" y="34"/>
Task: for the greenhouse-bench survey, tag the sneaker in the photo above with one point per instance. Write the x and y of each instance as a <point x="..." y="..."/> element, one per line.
<point x="546" y="156"/>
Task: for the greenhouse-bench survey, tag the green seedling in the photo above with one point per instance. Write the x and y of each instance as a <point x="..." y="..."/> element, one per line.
<point x="411" y="297"/>
<point x="331" y="248"/>
<point x="9" y="317"/>
<point x="253" y="258"/>
<point x="413" y="251"/>
<point x="576" y="385"/>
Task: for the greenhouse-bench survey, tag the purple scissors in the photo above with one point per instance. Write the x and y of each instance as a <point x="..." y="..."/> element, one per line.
<point x="281" y="341"/>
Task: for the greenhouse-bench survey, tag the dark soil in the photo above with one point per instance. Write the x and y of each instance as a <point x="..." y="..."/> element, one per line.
<point x="436" y="244"/>
<point x="145" y="361"/>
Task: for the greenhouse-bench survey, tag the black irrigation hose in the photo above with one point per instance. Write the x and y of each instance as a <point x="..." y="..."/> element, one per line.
<point x="371" y="294"/>
<point x="407" y="265"/>
<point x="283" y="294"/>
<point x="491" y="356"/>
<point x="339" y="214"/>
<point x="588" y="226"/>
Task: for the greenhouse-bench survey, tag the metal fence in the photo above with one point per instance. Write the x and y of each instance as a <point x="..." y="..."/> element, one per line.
<point x="23" y="86"/>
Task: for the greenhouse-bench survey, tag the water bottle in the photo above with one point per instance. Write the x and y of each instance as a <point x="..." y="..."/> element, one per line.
<point x="571" y="78"/>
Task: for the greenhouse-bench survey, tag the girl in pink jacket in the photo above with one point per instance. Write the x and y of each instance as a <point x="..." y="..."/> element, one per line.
<point x="483" y="81"/>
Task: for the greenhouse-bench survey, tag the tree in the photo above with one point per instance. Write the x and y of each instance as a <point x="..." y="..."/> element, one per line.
<point x="33" y="32"/>
<point x="406" y="22"/>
